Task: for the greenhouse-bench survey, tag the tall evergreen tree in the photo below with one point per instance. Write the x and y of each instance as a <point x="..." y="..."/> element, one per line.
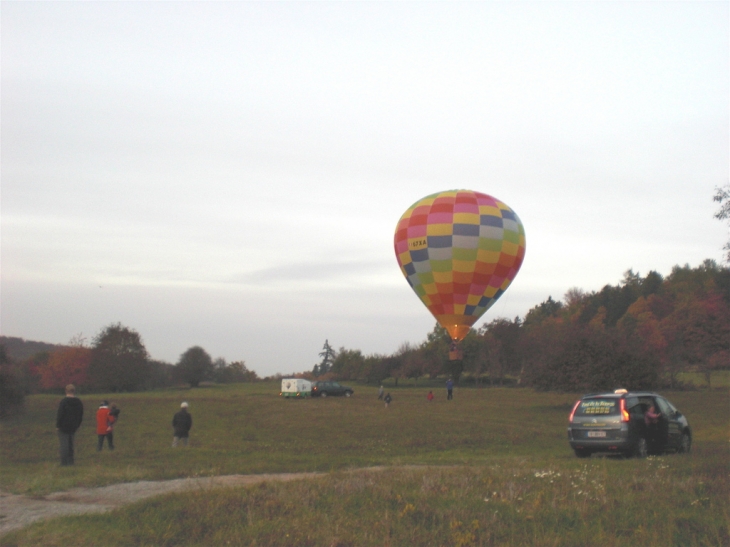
<point x="328" y="356"/>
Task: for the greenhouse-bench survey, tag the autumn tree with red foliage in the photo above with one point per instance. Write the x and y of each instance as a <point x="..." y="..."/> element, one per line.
<point x="698" y="333"/>
<point x="501" y="348"/>
<point x="66" y="366"/>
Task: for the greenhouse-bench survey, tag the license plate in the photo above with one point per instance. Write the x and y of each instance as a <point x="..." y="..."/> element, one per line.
<point x="596" y="433"/>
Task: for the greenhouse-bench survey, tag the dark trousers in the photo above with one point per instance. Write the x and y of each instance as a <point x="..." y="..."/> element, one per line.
<point x="449" y="394"/>
<point x="66" y="445"/>
<point x="109" y="437"/>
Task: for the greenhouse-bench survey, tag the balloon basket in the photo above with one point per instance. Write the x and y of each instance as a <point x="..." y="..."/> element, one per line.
<point x="456" y="355"/>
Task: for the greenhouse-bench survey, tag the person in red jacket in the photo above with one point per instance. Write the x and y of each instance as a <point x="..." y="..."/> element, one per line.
<point x="103" y="431"/>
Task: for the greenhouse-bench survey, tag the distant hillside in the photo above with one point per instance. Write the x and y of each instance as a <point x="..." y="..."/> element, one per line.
<point x="19" y="350"/>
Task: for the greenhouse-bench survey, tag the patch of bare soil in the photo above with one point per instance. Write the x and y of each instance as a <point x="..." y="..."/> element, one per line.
<point x="18" y="511"/>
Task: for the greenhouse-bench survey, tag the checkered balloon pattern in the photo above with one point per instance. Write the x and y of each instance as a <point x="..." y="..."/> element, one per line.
<point x="459" y="251"/>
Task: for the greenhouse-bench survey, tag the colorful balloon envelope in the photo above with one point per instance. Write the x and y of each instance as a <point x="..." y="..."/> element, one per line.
<point x="459" y="251"/>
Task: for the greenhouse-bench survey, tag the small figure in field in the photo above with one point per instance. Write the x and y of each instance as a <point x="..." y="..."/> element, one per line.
<point x="430" y="396"/>
<point x="102" y="427"/>
<point x="449" y="389"/>
<point x="182" y="421"/>
<point x="380" y="393"/>
<point x="69" y="416"/>
<point x="387" y="400"/>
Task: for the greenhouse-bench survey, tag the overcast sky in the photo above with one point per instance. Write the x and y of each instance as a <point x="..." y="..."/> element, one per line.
<point x="230" y="174"/>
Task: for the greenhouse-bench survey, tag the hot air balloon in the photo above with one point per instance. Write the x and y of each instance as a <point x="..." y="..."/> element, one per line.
<point x="459" y="250"/>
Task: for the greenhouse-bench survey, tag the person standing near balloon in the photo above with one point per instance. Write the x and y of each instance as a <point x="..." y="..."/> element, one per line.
<point x="449" y="389"/>
<point x="387" y="400"/>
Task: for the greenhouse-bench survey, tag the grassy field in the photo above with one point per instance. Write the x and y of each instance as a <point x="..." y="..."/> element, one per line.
<point x="491" y="467"/>
<point x="720" y="379"/>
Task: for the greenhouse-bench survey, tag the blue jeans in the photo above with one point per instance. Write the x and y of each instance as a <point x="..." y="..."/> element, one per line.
<point x="176" y="440"/>
<point x="66" y="444"/>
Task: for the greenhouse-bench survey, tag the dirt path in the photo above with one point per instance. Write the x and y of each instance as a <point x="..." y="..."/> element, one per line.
<point x="18" y="511"/>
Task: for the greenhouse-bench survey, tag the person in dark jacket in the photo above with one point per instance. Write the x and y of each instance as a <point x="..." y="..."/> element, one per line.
<point x="182" y="421"/>
<point x="69" y="416"/>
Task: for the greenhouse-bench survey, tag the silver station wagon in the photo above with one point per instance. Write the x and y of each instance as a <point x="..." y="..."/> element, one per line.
<point x="628" y="423"/>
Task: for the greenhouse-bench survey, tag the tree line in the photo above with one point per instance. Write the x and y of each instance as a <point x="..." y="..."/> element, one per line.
<point x="638" y="334"/>
<point x="116" y="361"/>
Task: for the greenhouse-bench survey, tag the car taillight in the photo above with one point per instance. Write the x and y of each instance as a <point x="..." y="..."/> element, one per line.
<point x="624" y="412"/>
<point x="572" y="412"/>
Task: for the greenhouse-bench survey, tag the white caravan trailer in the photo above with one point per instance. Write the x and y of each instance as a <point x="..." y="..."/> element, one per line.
<point x="295" y="387"/>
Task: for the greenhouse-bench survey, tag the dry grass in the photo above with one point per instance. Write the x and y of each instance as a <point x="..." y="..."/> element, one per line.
<point x="493" y="468"/>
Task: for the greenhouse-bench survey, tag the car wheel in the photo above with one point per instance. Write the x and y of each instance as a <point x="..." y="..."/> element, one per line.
<point x="686" y="443"/>
<point x="582" y="453"/>
<point x="348" y="393"/>
<point x="323" y="394"/>
<point x="641" y="450"/>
